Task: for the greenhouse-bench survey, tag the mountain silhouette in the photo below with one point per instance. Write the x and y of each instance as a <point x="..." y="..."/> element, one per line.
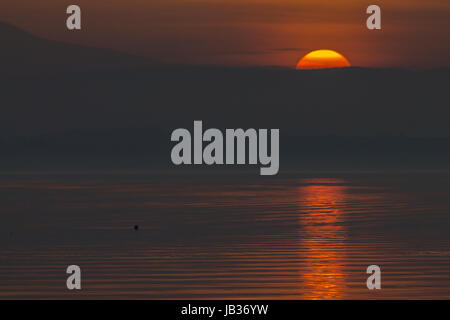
<point x="24" y="53"/>
<point x="336" y="102"/>
<point x="78" y="97"/>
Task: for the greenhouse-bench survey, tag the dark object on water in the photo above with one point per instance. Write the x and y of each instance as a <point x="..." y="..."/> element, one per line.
<point x="136" y="227"/>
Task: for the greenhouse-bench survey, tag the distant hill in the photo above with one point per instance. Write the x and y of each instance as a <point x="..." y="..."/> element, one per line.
<point x="350" y="102"/>
<point x="23" y="53"/>
<point x="81" y="89"/>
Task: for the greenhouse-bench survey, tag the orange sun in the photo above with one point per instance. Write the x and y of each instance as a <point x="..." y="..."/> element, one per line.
<point x="321" y="59"/>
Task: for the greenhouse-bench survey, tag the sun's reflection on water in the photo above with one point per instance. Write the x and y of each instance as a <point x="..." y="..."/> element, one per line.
<point x="322" y="247"/>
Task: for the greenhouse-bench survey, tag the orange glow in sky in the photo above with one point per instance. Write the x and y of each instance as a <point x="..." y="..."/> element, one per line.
<point x="414" y="33"/>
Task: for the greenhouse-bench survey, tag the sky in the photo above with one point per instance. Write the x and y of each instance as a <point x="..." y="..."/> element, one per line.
<point x="414" y="33"/>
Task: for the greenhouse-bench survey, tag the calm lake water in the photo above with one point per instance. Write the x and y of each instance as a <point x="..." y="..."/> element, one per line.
<point x="299" y="236"/>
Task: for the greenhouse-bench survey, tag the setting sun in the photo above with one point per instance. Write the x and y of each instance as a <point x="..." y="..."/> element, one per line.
<point x="321" y="59"/>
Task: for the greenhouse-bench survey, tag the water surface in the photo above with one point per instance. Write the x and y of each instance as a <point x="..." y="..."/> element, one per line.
<point x="299" y="236"/>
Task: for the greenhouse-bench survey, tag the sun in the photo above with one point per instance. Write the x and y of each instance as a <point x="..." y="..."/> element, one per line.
<point x="321" y="59"/>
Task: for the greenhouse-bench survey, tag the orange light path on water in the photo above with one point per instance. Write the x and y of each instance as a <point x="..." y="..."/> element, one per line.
<point x="323" y="241"/>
